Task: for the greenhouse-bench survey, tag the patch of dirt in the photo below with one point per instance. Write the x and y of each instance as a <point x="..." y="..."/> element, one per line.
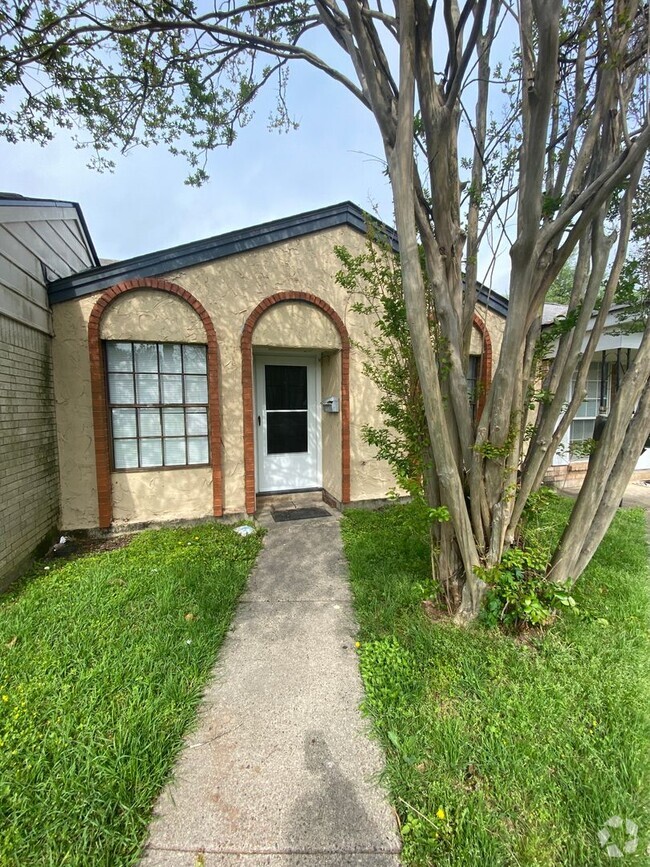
<point x="532" y="635"/>
<point x="81" y="547"/>
<point x="436" y="612"/>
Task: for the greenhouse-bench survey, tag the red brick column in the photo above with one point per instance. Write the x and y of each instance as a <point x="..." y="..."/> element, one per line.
<point x="485" y="374"/>
<point x="100" y="398"/>
<point x="247" y="389"/>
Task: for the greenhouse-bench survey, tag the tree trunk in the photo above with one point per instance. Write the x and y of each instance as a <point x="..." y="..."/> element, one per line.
<point x="401" y="169"/>
<point x="606" y="468"/>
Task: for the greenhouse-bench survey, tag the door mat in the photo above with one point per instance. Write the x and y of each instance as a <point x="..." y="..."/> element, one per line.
<point x="300" y="514"/>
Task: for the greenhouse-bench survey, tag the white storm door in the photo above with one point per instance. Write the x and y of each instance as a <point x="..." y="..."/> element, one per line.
<point x="287" y="423"/>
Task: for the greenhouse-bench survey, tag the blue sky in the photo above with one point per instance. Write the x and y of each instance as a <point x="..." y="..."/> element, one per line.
<point x="144" y="205"/>
<point x="336" y="154"/>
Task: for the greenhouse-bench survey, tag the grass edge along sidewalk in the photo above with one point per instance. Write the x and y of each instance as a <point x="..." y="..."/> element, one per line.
<point x="502" y="751"/>
<point x="102" y="665"/>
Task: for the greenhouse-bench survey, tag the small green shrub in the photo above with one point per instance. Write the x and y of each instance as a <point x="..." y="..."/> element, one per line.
<point x="520" y="594"/>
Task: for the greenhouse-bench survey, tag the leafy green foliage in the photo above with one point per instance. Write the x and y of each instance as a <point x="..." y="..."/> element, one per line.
<point x="582" y="448"/>
<point x="520" y="592"/>
<point x="373" y="281"/>
<point x="389" y="672"/>
<point x="102" y="665"/>
<point x="133" y="75"/>
<point x="561" y="325"/>
<point x="634" y="286"/>
<point x="511" y="752"/>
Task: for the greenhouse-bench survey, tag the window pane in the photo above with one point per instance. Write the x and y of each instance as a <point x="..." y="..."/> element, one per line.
<point x="197" y="450"/>
<point x="174" y="452"/>
<point x="197" y="421"/>
<point x="194" y="359"/>
<point x="120" y="388"/>
<point x="146" y="357"/>
<point x="173" y="423"/>
<point x="118" y="357"/>
<point x="146" y="385"/>
<point x="126" y="454"/>
<point x="124" y="423"/>
<point x="582" y="430"/>
<point x="141" y="377"/>
<point x="149" y="422"/>
<point x="172" y="387"/>
<point x="170" y="358"/>
<point x="151" y="453"/>
<point x="196" y="389"/>
<point x="286" y="386"/>
<point x="286" y="432"/>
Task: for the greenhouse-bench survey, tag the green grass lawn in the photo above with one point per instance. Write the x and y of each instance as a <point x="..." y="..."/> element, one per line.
<point x="102" y="665"/>
<point x="501" y="751"/>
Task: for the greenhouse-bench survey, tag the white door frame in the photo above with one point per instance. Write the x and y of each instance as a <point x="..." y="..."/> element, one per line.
<point x="290" y="471"/>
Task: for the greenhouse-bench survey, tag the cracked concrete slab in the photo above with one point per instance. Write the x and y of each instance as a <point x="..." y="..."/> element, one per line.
<point x="280" y="770"/>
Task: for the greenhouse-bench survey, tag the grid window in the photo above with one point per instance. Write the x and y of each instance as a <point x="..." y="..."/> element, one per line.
<point x="582" y="427"/>
<point x="473" y="371"/>
<point x="158" y="401"/>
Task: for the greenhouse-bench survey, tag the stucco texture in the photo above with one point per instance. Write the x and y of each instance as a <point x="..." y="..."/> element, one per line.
<point x="153" y="316"/>
<point x="495" y="326"/>
<point x="166" y="495"/>
<point x="234" y="287"/>
<point x="230" y="289"/>
<point x="74" y="416"/>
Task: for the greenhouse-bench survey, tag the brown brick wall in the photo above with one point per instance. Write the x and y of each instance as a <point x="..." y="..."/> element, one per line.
<point x="485" y="373"/>
<point x="29" y="485"/>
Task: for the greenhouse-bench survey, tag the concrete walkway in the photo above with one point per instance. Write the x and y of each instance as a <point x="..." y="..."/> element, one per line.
<point x="637" y="496"/>
<point x="280" y="771"/>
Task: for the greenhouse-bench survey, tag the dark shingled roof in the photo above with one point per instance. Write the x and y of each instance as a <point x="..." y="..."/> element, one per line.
<point x="229" y="244"/>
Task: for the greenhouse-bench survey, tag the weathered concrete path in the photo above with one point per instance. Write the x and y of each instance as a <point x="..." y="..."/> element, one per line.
<point x="280" y="771"/>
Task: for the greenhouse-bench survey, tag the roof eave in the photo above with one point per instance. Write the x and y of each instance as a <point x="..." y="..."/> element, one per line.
<point x="211" y="249"/>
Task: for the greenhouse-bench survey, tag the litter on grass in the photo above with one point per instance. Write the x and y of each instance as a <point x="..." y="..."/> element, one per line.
<point x="244" y="531"/>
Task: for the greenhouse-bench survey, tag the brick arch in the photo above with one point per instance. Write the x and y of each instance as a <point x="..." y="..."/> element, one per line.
<point x="99" y="397"/>
<point x="247" y="388"/>
<point x="485" y="375"/>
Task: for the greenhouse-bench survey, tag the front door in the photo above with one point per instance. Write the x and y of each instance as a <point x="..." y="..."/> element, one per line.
<point x="287" y="420"/>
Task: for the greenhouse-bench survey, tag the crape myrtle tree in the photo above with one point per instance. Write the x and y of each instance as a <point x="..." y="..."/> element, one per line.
<point x="558" y="129"/>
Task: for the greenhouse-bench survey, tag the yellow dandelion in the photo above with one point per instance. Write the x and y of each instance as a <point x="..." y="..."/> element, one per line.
<point x="441" y="813"/>
<point x="357" y="644"/>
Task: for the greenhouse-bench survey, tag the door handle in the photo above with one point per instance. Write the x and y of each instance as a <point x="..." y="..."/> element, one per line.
<point x="259" y="422"/>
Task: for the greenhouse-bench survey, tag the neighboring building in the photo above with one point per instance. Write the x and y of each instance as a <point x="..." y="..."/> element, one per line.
<point x="40" y="241"/>
<point x="190" y="380"/>
<point x="614" y="353"/>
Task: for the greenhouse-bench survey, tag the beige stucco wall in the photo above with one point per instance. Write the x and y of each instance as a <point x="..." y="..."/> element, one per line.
<point x="138" y="496"/>
<point x="295" y="325"/>
<point x="149" y="315"/>
<point x="74" y="418"/>
<point x="496" y="326"/>
<point x="162" y="496"/>
<point x="229" y="289"/>
<point x="331" y="424"/>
